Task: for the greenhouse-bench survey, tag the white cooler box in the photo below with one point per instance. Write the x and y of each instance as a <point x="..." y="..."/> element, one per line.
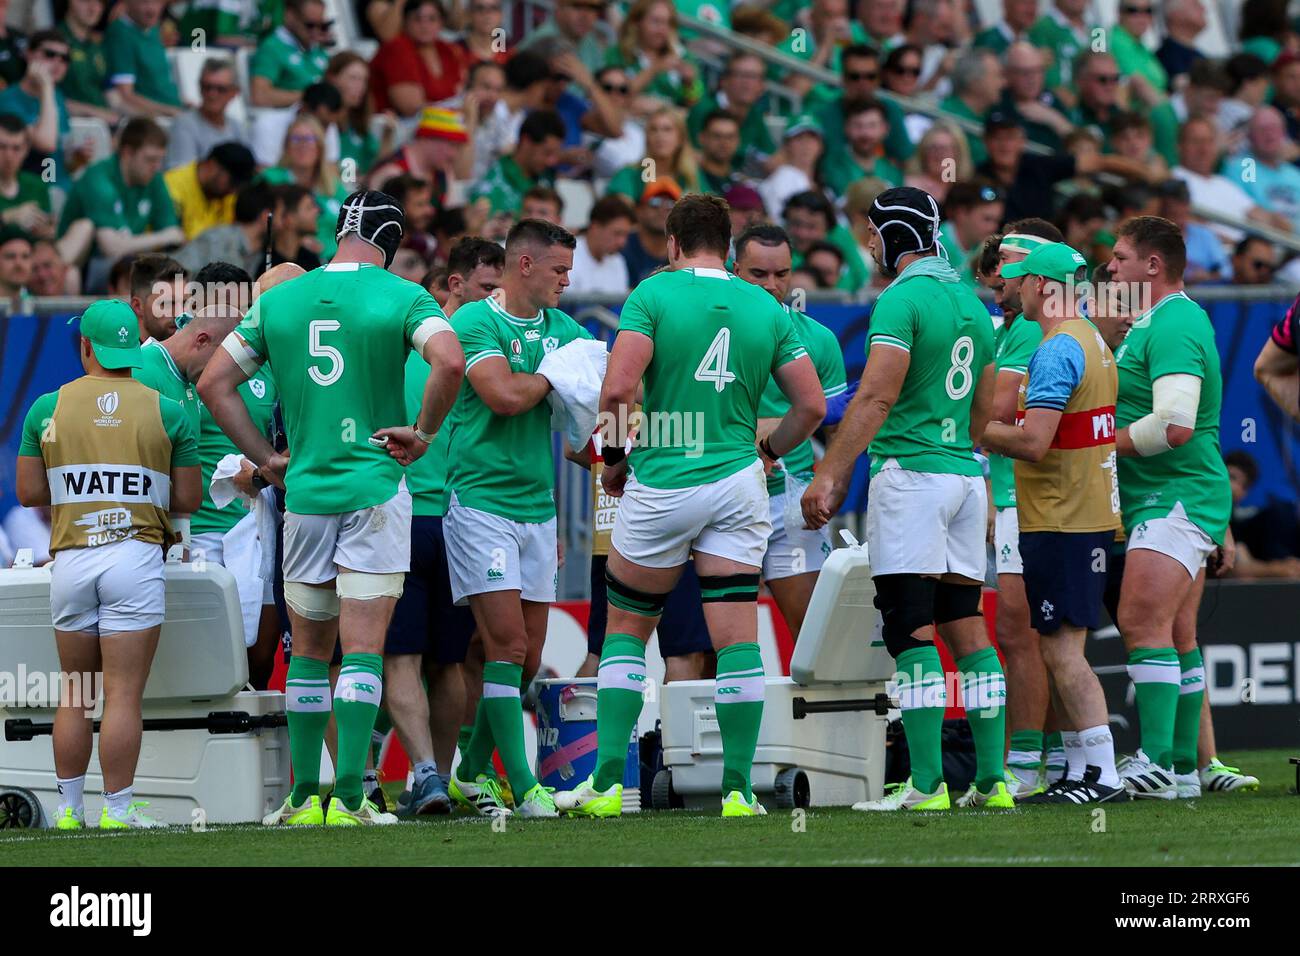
<point x="212" y="752"/>
<point x="822" y="740"/>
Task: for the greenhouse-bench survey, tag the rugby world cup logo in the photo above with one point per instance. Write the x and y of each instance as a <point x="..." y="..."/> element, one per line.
<point x="107" y="404"/>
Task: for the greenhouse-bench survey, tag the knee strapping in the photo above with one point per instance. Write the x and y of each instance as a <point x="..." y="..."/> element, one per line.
<point x="315" y="604"/>
<point x="906" y="603"/>
<point x="727" y="588"/>
<point x="952" y="602"/>
<point x="627" y="598"/>
<point x="364" y="586"/>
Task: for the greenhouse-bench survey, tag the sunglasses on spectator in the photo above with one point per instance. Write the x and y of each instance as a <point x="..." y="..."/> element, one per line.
<point x="561" y="78"/>
<point x="63" y="55"/>
<point x="321" y="25"/>
<point x="857" y="77"/>
<point x="1106" y="79"/>
<point x="217" y="87"/>
<point x="1263" y="266"/>
<point x="615" y="87"/>
<point x="1136" y="11"/>
<point x="906" y="70"/>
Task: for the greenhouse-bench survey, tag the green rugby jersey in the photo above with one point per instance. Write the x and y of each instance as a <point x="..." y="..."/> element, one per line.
<point x="505" y="464"/>
<point x="1174" y="337"/>
<point x="1014" y="342"/>
<point x="158" y="370"/>
<point x="717" y="341"/>
<point x="928" y="312"/>
<point x="824" y="350"/>
<point x="259" y="397"/>
<point x="336" y="340"/>
<point x="426" y="477"/>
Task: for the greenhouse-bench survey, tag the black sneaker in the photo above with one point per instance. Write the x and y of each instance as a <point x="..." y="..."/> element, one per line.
<point x="1089" y="790"/>
<point x="1053" y="793"/>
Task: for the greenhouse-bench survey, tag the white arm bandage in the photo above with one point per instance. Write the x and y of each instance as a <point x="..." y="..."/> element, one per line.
<point x="427" y="330"/>
<point x="181" y="525"/>
<point x="248" y="360"/>
<point x="1174" y="401"/>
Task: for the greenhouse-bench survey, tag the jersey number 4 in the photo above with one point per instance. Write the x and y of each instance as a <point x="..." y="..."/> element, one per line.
<point x="713" y="367"/>
<point x="319" y="349"/>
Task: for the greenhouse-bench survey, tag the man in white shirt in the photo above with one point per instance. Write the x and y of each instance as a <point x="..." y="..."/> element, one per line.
<point x="598" y="266"/>
<point x="1198" y="151"/>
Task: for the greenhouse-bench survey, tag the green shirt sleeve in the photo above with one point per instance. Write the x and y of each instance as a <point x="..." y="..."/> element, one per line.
<point x="38" y="419"/>
<point x="149" y="374"/>
<point x="478" y="337"/>
<point x="627" y="182"/>
<point x="788" y="344"/>
<point x="1172" y="351"/>
<point x="423" y="307"/>
<point x="892" y="323"/>
<point x="185" y="444"/>
<point x="119" y="53"/>
<point x="266" y="60"/>
<point x="1022" y="339"/>
<point x="250" y="330"/>
<point x="828" y="359"/>
<point x="638" y="314"/>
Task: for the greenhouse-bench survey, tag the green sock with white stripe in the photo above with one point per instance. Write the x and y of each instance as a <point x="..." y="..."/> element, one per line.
<point x="307" y="706"/>
<point x="476" y="747"/>
<point x="463" y="738"/>
<point x="1156" y="675"/>
<point x="921" y="699"/>
<point x="1054" y="762"/>
<point x="1187" y="718"/>
<point x="620" y="682"/>
<point x="738" y="693"/>
<point x="984" y="695"/>
<point x="505" y="717"/>
<point x="1026" y="750"/>
<point x="356" y="704"/>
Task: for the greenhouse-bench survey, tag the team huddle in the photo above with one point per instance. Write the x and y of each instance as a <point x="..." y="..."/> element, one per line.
<point x="419" y="500"/>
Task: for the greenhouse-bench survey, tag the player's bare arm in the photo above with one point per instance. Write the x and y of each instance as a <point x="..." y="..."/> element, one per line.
<point x="628" y="361"/>
<point x="504" y="391"/>
<point x="446" y="359"/>
<point x="799" y="381"/>
<point x="1028" y="442"/>
<point x="32" y="485"/>
<point x="217" y="387"/>
<point x="981" y="409"/>
<point x="881" y="383"/>
<point x="1279" y="373"/>
<point x="1006" y="391"/>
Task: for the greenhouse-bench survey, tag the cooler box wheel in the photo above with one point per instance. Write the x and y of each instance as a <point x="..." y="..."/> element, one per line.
<point x="661" y="791"/>
<point x="20" y="810"/>
<point x="791" y="789"/>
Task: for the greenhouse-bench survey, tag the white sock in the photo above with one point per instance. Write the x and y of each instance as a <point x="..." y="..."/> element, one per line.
<point x="1074" y="756"/>
<point x="425" y="767"/>
<point x="118" y="803"/>
<point x="73" y="791"/>
<point x="1099" y="752"/>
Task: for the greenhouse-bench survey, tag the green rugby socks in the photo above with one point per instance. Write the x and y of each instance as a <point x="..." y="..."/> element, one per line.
<point x="1156" y="675"/>
<point x="620" y="682"/>
<point x="921" y="698"/>
<point x="738" y="693"/>
<point x="1187" y="717"/>
<point x="307" y="705"/>
<point x="357" y="696"/>
<point x="984" y="695"/>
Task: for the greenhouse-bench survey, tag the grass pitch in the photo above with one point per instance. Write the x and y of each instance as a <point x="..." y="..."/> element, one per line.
<point x="1216" y="830"/>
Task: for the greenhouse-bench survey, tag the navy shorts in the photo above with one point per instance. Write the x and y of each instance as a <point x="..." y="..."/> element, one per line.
<point x="681" y="630"/>
<point x="1065" y="577"/>
<point x="1115" y="579"/>
<point x="426" y="620"/>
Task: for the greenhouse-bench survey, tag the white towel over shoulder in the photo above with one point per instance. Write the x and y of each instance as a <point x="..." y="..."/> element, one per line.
<point x="576" y="372"/>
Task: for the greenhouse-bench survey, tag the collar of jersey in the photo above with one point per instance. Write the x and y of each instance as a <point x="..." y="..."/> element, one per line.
<point x="171" y="362"/>
<point x="1145" y="317"/>
<point x="500" y="310"/>
<point x="710" y="273"/>
<point x="349" y="266"/>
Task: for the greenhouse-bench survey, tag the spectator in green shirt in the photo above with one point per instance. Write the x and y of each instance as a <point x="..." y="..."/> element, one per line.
<point x="809" y="217"/>
<point x="291" y="58"/>
<point x="1147" y="78"/>
<point x="865" y="129"/>
<point x="349" y="73"/>
<point x="139" y="76"/>
<point x="883" y="21"/>
<point x="719" y="144"/>
<point x="83" y="86"/>
<point x="541" y="138"/>
<point x="972" y="210"/>
<point x="1017" y="17"/>
<point x="740" y="94"/>
<point x="860" y="71"/>
<point x="1264" y="28"/>
<point x="303" y="162"/>
<point x="977" y="85"/>
<point x="651" y="50"/>
<point x="1064" y="32"/>
<point x="828" y="32"/>
<point x="125" y="198"/>
<point x="1096" y="78"/>
<point x="230" y="23"/>
<point x="24" y="196"/>
<point x="15" y="266"/>
<point x="1028" y="100"/>
<point x="668" y="154"/>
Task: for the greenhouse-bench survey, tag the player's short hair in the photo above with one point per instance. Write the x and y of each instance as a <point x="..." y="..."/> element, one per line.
<point x="610" y="208"/>
<point x="222" y="272"/>
<point x="700" y="223"/>
<point x="537" y="232"/>
<point x="474" y="251"/>
<point x="987" y="263"/>
<point x="1152" y="235"/>
<point x="152" y="268"/>
<point x="121" y="269"/>
<point x="223" y="283"/>
<point x="141" y="132"/>
<point x="1034" y="226"/>
<point x="541" y="125"/>
<point x="253" y="200"/>
<point x="765" y="234"/>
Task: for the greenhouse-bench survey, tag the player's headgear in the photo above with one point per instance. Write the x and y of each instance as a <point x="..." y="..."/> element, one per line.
<point x="907" y="219"/>
<point x="377" y="218"/>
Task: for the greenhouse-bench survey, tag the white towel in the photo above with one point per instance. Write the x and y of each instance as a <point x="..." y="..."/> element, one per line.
<point x="223" y="491"/>
<point x="576" y="372"/>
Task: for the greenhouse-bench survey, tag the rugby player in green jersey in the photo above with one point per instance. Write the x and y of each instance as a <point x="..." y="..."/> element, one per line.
<point x="705" y="344"/>
<point x="794" y="555"/>
<point x="336" y="340"/>
<point x="925" y="398"/>
<point x="1175" y="497"/>
<point x="500" y="525"/>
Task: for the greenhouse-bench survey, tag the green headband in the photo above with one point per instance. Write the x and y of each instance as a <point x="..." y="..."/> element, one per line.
<point x="1022" y="242"/>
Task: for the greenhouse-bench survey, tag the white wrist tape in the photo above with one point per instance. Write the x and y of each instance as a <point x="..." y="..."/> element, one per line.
<point x="1174" y="401"/>
<point x="1149" y="435"/>
<point x="181" y="525"/>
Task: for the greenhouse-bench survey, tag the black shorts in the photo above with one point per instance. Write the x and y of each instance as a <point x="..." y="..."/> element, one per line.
<point x="426" y="620"/>
<point x="1114" y="579"/>
<point x="681" y="630"/>
<point x="1065" y="577"/>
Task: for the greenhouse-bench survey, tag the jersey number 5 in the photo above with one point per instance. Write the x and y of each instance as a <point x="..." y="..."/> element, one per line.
<point x="713" y="367"/>
<point x="319" y="350"/>
<point x="960" y="378"/>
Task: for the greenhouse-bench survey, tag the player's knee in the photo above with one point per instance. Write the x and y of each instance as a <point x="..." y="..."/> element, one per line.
<point x="729" y="588"/>
<point x="953" y="602"/>
<point x="364" y="586"/>
<point x="314" y="604"/>
<point x="906" y="605"/>
<point x="630" y="599"/>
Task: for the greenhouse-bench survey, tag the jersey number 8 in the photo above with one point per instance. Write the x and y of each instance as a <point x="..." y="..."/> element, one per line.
<point x="713" y="367"/>
<point x="960" y="378"/>
<point x="319" y="350"/>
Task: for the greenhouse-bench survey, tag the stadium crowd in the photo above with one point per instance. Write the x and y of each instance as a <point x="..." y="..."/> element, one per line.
<point x="498" y="143"/>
